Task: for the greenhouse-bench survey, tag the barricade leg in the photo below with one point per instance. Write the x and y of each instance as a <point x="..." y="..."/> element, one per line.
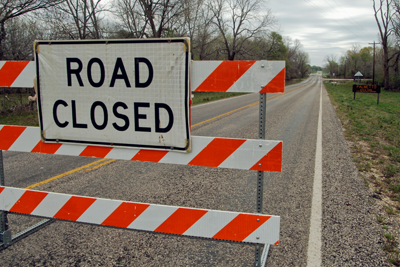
<point x="260" y="175"/>
<point x="6" y="239"/>
<point x="5" y="233"/>
<point x="264" y="255"/>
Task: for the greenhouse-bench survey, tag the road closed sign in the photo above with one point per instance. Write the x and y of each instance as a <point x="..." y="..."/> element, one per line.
<point x="127" y="93"/>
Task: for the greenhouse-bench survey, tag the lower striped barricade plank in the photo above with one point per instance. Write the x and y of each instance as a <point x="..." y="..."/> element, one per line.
<point x="243" y="154"/>
<point x="213" y="224"/>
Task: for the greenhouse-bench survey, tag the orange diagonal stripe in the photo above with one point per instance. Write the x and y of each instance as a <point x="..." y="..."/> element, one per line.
<point x="47" y="148"/>
<point x="149" y="155"/>
<point x="272" y="162"/>
<point x="74" y="208"/>
<point x="95" y="151"/>
<point x="224" y="76"/>
<point x="276" y="85"/>
<point x="10" y="71"/>
<point x="10" y="134"/>
<point x="28" y="202"/>
<point x="241" y="227"/>
<point x="181" y="220"/>
<point x="216" y="152"/>
<point x="125" y="214"/>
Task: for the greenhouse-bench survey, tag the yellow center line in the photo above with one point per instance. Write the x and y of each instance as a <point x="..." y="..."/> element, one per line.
<point x="247" y="106"/>
<point x="250" y="105"/>
<point x="64" y="174"/>
<point x="107" y="162"/>
<point x="98" y="166"/>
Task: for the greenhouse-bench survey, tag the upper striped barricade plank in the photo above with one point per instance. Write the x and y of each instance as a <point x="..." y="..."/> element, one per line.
<point x="213" y="224"/>
<point x="17" y="73"/>
<point x="244" y="154"/>
<point x="206" y="76"/>
<point x="238" y="76"/>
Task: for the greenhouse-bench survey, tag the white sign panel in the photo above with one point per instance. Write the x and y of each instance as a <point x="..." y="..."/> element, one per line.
<point x="131" y="93"/>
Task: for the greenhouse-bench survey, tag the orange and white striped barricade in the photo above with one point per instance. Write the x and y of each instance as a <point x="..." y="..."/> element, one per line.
<point x="238" y="76"/>
<point x="213" y="224"/>
<point x="244" y="154"/>
<point x="17" y="73"/>
<point x="249" y="77"/>
<point x="259" y="155"/>
<point x="206" y="76"/>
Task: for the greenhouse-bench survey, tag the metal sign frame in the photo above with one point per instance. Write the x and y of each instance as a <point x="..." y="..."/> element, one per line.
<point x="84" y="138"/>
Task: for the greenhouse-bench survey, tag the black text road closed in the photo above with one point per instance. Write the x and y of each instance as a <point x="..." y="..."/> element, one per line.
<point x="131" y="93"/>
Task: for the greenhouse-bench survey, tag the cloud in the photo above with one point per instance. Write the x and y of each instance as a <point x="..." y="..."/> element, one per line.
<point x="326" y="27"/>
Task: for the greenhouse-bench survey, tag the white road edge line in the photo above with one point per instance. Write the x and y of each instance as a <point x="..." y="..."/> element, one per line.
<point x="315" y="238"/>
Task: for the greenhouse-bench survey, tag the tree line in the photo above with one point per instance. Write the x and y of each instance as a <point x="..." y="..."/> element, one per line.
<point x="218" y="29"/>
<point x="351" y="61"/>
<point x="387" y="54"/>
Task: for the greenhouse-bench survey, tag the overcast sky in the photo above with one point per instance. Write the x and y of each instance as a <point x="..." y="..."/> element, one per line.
<point x="326" y="27"/>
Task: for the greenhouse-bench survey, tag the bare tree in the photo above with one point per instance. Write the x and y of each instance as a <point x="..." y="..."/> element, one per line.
<point x="293" y="47"/>
<point x="345" y="62"/>
<point x="332" y="65"/>
<point x="239" y="21"/>
<point x="130" y="13"/>
<point x="201" y="30"/>
<point x="276" y="48"/>
<point x="151" y="18"/>
<point x="302" y="63"/>
<point x="396" y="30"/>
<point x="396" y="21"/>
<point x="10" y="9"/>
<point x="383" y="16"/>
<point x="355" y="56"/>
<point x="75" y="19"/>
<point x="21" y="33"/>
<point x="161" y="15"/>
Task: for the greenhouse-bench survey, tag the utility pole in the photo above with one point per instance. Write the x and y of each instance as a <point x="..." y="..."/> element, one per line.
<point x="373" y="64"/>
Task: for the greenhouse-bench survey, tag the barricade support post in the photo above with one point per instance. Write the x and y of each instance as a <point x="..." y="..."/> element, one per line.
<point x="244" y="76"/>
<point x="6" y="237"/>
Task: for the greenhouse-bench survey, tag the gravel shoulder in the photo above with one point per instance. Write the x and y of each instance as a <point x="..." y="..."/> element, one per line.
<point x="351" y="235"/>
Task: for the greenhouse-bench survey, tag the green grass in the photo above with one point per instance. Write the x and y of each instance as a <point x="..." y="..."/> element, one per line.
<point x="203" y="97"/>
<point x="377" y="125"/>
<point x="294" y="81"/>
<point x="25" y="119"/>
<point x="15" y="110"/>
<point x="380" y="218"/>
<point x="14" y="97"/>
<point x="365" y="120"/>
<point x="389" y="237"/>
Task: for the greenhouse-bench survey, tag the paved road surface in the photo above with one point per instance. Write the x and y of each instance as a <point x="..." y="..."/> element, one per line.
<point x="350" y="235"/>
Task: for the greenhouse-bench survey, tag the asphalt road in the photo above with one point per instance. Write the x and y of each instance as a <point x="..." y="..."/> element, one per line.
<point x="351" y="235"/>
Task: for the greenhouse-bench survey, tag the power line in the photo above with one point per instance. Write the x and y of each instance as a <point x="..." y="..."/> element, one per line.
<point x="355" y="22"/>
